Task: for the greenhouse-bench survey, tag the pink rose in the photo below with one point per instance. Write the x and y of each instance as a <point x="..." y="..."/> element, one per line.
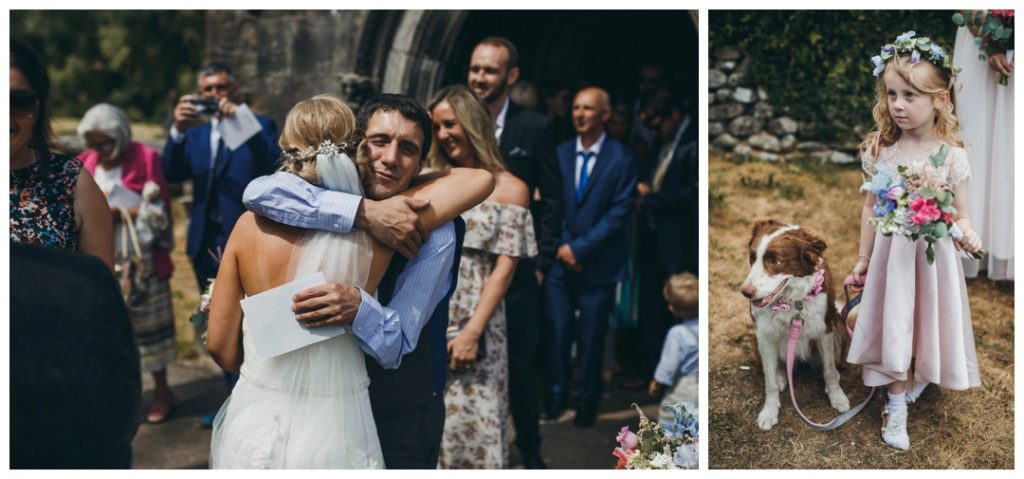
<point x="947" y="217"/>
<point x="627" y="439"/>
<point x="927" y="213"/>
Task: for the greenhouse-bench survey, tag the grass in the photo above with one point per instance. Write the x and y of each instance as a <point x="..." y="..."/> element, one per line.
<point x="948" y="429"/>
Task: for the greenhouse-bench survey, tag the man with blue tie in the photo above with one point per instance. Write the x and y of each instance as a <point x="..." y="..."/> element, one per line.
<point x="599" y="181"/>
<point x="219" y="174"/>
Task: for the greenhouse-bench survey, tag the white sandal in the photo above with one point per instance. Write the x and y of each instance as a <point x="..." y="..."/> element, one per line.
<point x="894" y="428"/>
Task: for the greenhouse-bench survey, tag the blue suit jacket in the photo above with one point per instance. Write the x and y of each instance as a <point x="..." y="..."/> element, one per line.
<point x="595" y="227"/>
<point x="190" y="160"/>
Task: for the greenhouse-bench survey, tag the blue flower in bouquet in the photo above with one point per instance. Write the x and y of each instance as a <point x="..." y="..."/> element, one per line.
<point x="683" y="424"/>
<point x="882" y="181"/>
<point x="884" y="206"/>
<point x="687" y="456"/>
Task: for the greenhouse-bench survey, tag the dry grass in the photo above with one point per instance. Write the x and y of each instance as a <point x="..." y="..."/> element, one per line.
<point x="969" y="429"/>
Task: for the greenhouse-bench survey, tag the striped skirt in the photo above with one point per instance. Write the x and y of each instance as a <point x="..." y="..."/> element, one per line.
<point x="153" y="321"/>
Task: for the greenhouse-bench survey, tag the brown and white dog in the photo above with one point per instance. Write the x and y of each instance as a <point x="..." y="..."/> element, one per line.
<point x="788" y="275"/>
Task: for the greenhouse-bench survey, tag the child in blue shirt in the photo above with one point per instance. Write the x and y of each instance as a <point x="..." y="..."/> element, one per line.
<point x="677" y="369"/>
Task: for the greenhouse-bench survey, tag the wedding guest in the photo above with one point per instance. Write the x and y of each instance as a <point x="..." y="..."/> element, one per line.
<point x="118" y="163"/>
<point x="219" y="174"/>
<point x="985" y="110"/>
<point x="527" y="148"/>
<point x="680" y="354"/>
<point x="53" y="201"/>
<point x="598" y="188"/>
<point x="75" y="387"/>
<point x="499" y="231"/>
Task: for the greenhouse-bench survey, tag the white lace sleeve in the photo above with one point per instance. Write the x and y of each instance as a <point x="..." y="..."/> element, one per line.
<point x="867" y="162"/>
<point x="959" y="167"/>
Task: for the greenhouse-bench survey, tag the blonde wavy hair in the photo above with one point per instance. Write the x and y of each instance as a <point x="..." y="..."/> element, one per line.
<point x="682" y="291"/>
<point x="308" y="124"/>
<point x="472" y="114"/>
<point x="926" y="78"/>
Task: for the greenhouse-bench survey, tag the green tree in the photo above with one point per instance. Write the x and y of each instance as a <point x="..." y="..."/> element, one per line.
<point x="136" y="60"/>
<point x="817" y="63"/>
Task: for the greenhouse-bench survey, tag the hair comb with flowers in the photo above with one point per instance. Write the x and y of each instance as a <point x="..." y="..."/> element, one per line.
<point x="907" y="44"/>
<point x="327" y="148"/>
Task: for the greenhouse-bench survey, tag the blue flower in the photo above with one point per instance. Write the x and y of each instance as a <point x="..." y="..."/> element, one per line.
<point x="937" y="53"/>
<point x="687" y="456"/>
<point x="682" y="425"/>
<point x="888" y="49"/>
<point x="906" y="36"/>
<point x="879" y="65"/>
<point x="915" y="57"/>
<point x="884" y="206"/>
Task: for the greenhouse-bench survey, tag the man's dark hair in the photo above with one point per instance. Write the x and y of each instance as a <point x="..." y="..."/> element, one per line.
<point x="513" y="53"/>
<point x="35" y="72"/>
<point x="215" y="68"/>
<point x="405" y="106"/>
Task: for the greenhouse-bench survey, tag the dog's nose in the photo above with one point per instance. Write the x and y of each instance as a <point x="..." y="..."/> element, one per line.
<point x="747" y="290"/>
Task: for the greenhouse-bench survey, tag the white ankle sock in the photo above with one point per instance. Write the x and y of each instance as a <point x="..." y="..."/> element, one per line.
<point x="915" y="391"/>
<point x="895" y="431"/>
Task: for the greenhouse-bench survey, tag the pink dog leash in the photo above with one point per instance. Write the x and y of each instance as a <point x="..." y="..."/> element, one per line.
<point x="794" y="335"/>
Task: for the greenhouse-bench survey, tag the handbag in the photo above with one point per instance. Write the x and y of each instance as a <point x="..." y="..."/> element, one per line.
<point x="481" y="348"/>
<point x="131" y="270"/>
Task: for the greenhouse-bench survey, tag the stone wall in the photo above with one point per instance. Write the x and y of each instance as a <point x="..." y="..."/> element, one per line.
<point x="743" y="124"/>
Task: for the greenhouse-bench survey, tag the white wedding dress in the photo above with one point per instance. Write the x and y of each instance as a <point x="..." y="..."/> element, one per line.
<point x="985" y="111"/>
<point x="307" y="409"/>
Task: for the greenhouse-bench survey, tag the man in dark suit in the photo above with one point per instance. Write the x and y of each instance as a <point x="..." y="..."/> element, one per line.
<point x="219" y="174"/>
<point x="668" y="213"/>
<point x="527" y="147"/>
<point x="598" y="194"/>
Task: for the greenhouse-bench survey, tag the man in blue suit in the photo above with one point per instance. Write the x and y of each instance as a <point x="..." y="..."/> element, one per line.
<point x="219" y="174"/>
<point x="598" y="188"/>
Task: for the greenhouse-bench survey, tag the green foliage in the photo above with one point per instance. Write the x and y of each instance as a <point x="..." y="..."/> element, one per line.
<point x="139" y="61"/>
<point x="817" y="63"/>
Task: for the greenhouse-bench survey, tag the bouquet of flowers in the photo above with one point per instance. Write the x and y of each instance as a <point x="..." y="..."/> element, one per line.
<point x="202" y="314"/>
<point x="910" y="204"/>
<point x="672" y="444"/>
<point x="995" y="33"/>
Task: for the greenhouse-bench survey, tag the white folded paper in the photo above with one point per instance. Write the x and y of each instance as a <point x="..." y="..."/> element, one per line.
<point x="272" y="323"/>
<point x="123" y="197"/>
<point x="237" y="130"/>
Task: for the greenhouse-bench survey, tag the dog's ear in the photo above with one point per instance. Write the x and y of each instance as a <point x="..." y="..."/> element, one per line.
<point x="814" y="248"/>
<point x="761" y="228"/>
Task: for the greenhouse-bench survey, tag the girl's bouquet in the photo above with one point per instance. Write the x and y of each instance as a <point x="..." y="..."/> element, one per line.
<point x="672" y="444"/>
<point x="202" y="314"/>
<point x="911" y="204"/>
<point x="995" y="33"/>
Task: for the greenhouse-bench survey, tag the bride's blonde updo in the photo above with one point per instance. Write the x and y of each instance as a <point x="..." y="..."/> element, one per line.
<point x="309" y="123"/>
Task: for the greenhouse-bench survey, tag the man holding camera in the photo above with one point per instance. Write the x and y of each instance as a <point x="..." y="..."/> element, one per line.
<point x="196" y="151"/>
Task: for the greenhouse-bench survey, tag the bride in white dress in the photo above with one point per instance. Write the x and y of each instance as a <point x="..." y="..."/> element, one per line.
<point x="307" y="409"/>
<point x="985" y="110"/>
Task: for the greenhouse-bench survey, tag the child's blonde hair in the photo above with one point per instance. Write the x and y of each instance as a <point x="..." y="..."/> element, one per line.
<point x="926" y="78"/>
<point x="308" y="124"/>
<point x="682" y="292"/>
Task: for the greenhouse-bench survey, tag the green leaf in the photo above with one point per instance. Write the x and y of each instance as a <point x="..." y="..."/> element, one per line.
<point x="941" y="230"/>
<point x="981" y="57"/>
<point x="958" y="19"/>
<point x="939" y="157"/>
<point x="926" y="230"/>
<point x="928" y="193"/>
<point x="930" y="254"/>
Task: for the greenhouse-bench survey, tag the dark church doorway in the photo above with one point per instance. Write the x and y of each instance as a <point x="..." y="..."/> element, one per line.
<point x="582" y="48"/>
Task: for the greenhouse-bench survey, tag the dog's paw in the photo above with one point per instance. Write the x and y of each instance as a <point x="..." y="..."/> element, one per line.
<point x="768" y="417"/>
<point x="839" y="400"/>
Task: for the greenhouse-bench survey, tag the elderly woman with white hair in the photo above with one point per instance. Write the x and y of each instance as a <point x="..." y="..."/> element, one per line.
<point x="129" y="173"/>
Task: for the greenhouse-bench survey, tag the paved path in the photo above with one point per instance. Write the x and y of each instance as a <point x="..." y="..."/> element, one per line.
<point x="180" y="443"/>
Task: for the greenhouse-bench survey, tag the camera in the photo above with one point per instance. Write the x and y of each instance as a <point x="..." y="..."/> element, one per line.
<point x="204" y="106"/>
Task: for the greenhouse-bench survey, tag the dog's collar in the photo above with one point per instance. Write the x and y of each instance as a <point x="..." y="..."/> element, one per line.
<point x="783" y="304"/>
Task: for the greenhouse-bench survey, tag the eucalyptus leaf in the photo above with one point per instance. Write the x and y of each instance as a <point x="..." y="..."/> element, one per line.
<point x="958" y="19"/>
<point x="940" y="230"/>
<point x="930" y="254"/>
<point x="928" y="193"/>
<point x="939" y="157"/>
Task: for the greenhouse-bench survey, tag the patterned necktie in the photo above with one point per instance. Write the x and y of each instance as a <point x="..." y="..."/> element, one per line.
<point x="584" y="174"/>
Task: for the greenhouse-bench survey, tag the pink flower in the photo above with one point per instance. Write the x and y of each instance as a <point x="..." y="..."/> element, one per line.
<point x="204" y="306"/>
<point x="623" y="457"/>
<point x="925" y="211"/>
<point x="947" y="217"/>
<point x="627" y="439"/>
<point x="896" y="192"/>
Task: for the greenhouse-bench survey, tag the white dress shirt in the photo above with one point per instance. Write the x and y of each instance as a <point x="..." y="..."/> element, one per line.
<point x="595" y="149"/>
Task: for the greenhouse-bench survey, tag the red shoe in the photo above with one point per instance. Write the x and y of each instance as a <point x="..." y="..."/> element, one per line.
<point x="160" y="409"/>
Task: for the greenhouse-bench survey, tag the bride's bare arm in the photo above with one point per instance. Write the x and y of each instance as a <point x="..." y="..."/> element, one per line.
<point x="224" y="328"/>
<point x="451" y="193"/>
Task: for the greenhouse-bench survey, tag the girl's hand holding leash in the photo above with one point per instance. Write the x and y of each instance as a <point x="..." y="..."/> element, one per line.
<point x="860" y="270"/>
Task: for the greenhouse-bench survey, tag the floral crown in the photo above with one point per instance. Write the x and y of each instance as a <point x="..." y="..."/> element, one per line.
<point x="309" y="153"/>
<point x="907" y="44"/>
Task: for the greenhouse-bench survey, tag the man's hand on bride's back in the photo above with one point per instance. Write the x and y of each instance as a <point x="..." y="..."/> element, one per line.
<point x="393" y="221"/>
<point x="329" y="304"/>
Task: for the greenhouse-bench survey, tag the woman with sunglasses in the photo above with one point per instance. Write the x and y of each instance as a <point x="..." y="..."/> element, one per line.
<point x="54" y="201"/>
<point x="119" y="164"/>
